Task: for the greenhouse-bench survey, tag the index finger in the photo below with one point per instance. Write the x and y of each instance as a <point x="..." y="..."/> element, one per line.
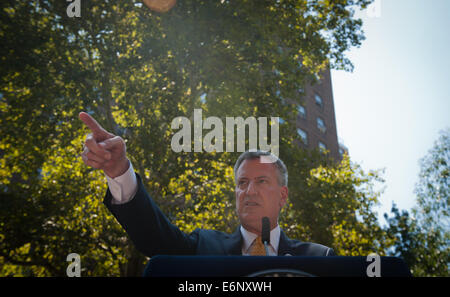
<point x="90" y="122"/>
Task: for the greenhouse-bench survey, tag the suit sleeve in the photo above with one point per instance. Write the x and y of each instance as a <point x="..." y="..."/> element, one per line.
<point x="147" y="226"/>
<point x="330" y="252"/>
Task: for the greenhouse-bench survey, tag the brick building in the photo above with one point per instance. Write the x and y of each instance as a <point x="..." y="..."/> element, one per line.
<point x="316" y="120"/>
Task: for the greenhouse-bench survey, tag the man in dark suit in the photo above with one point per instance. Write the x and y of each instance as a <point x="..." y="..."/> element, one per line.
<point x="261" y="191"/>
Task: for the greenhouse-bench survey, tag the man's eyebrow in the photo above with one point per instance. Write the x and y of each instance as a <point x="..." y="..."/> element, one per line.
<point x="262" y="176"/>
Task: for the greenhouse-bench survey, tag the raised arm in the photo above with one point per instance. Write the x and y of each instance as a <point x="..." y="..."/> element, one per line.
<point x="146" y="225"/>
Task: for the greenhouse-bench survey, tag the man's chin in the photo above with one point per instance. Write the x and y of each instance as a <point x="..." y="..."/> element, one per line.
<point x="252" y="220"/>
<point x="252" y="215"/>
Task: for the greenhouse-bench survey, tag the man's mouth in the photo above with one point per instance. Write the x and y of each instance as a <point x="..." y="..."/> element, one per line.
<point x="251" y="203"/>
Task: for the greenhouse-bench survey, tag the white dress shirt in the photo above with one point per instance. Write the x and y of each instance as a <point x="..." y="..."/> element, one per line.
<point x="249" y="239"/>
<point x="124" y="187"/>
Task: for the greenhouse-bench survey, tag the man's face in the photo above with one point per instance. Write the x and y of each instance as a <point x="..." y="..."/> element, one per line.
<point x="258" y="194"/>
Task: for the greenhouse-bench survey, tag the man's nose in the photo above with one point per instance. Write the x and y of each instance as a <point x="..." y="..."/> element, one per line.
<point x="252" y="189"/>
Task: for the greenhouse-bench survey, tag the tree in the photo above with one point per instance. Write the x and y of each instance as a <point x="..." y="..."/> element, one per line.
<point x="433" y="188"/>
<point x="422" y="239"/>
<point x="332" y="204"/>
<point x="425" y="251"/>
<point x="135" y="71"/>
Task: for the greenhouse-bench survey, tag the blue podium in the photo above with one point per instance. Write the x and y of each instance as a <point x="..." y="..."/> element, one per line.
<point x="258" y="266"/>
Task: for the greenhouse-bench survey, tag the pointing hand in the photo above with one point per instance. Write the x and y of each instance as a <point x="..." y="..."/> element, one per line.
<point x="103" y="150"/>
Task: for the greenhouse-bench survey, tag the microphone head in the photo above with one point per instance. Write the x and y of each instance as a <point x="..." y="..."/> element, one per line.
<point x="265" y="232"/>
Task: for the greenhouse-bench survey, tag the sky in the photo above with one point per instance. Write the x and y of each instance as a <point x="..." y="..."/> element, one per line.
<point x="390" y="109"/>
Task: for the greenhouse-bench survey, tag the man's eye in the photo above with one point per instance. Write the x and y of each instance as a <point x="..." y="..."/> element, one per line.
<point x="262" y="181"/>
<point x="242" y="182"/>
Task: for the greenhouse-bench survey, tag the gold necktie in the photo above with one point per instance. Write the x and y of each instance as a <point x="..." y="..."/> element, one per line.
<point x="258" y="248"/>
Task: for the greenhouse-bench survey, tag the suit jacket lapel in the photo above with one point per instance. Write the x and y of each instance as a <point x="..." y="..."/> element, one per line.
<point x="284" y="246"/>
<point x="233" y="244"/>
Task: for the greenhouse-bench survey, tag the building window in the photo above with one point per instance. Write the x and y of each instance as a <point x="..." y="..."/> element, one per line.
<point x="319" y="101"/>
<point x="322" y="147"/>
<point x="301" y="111"/>
<point x="321" y="125"/>
<point x="303" y="135"/>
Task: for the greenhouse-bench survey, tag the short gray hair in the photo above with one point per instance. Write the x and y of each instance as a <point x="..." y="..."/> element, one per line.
<point x="250" y="155"/>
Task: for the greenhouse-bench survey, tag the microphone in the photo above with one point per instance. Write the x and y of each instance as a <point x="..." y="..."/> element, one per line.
<point x="265" y="233"/>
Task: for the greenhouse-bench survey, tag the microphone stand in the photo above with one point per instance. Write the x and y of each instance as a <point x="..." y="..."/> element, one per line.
<point x="266" y="247"/>
<point x="265" y="234"/>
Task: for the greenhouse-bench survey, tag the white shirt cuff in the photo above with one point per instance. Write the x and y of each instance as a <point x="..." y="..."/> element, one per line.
<point x="124" y="187"/>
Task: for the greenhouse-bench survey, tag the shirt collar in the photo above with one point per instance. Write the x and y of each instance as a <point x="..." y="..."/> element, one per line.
<point x="249" y="237"/>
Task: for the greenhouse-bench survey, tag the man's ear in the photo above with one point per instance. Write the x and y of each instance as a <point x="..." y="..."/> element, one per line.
<point x="284" y="196"/>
